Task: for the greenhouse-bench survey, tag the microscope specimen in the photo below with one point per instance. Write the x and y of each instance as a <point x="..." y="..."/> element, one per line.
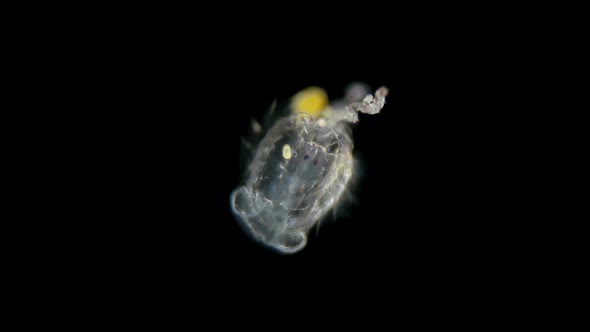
<point x="301" y="167"/>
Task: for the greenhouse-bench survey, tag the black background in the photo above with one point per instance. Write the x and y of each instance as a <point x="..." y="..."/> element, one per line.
<point x="475" y="170"/>
<point x="468" y="183"/>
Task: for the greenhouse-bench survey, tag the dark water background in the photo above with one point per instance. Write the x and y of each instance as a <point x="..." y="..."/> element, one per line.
<point x="126" y="183"/>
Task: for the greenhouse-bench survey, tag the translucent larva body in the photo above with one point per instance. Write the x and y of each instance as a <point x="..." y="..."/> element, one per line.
<point x="299" y="171"/>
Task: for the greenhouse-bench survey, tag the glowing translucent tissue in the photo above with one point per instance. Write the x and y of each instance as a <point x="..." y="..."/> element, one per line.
<point x="301" y="167"/>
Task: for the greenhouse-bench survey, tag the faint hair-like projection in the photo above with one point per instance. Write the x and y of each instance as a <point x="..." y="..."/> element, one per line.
<point x="301" y="167"/>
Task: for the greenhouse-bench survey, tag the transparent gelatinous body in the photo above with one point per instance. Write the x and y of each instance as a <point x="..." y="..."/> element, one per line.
<point x="299" y="171"/>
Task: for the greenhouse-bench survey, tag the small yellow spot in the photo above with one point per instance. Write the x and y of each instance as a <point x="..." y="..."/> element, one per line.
<point x="286" y="151"/>
<point x="312" y="101"/>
